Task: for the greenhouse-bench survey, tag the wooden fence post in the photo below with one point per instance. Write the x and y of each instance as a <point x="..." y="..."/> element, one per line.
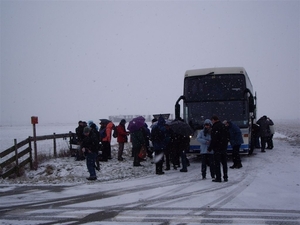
<point x="30" y="153"/>
<point x="34" y="145"/>
<point x="54" y="145"/>
<point x="70" y="141"/>
<point x="17" y="159"/>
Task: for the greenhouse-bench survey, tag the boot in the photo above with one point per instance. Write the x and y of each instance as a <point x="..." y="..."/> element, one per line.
<point x="158" y="167"/>
<point x="167" y="167"/>
<point x="239" y="166"/>
<point x="233" y="166"/>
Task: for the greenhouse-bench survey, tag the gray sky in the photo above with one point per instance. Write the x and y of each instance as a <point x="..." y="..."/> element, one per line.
<point x="64" y="61"/>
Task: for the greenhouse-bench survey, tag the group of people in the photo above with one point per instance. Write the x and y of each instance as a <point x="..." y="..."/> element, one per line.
<point x="214" y="138"/>
<point x="265" y="131"/>
<point x="168" y="147"/>
<point x="95" y="143"/>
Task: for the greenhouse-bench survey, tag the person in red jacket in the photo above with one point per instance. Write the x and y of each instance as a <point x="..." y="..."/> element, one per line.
<point x="121" y="138"/>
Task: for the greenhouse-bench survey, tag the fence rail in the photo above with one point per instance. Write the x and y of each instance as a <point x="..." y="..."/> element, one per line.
<point x="13" y="164"/>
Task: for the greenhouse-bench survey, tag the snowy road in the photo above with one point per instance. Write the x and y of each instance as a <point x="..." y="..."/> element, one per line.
<point x="265" y="191"/>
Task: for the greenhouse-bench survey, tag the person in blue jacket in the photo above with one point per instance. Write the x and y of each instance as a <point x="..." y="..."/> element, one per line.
<point x="207" y="158"/>
<point x="235" y="140"/>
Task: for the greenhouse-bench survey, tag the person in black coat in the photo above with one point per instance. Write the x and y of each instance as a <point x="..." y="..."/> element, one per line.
<point x="138" y="141"/>
<point x="147" y="134"/>
<point x="182" y="145"/>
<point x="94" y="130"/>
<point x="264" y="130"/>
<point x="80" y="137"/>
<point x="89" y="146"/>
<point x="219" y="142"/>
<point x="160" y="141"/>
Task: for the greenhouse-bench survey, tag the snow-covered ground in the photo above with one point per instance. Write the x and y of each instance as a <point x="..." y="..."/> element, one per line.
<point x="67" y="171"/>
<point x="265" y="191"/>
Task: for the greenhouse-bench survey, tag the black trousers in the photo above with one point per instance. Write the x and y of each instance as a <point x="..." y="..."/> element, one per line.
<point x="236" y="155"/>
<point x="263" y="142"/>
<point x="270" y="142"/>
<point x="105" y="150"/>
<point x="220" y="157"/>
<point x="208" y="159"/>
<point x="159" y="155"/>
<point x="135" y="153"/>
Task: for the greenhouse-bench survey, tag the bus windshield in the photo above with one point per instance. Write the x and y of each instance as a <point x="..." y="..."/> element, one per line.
<point x="222" y="91"/>
<point x="215" y="87"/>
<point x="235" y="111"/>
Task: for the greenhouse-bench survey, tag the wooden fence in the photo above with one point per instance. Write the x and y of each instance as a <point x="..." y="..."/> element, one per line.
<point x="13" y="164"/>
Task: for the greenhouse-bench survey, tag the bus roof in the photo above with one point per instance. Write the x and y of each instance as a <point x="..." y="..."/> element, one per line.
<point x="220" y="70"/>
<point x="215" y="70"/>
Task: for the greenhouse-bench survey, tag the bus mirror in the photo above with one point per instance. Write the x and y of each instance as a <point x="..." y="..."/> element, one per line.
<point x="177" y="107"/>
<point x="177" y="111"/>
<point x="251" y="104"/>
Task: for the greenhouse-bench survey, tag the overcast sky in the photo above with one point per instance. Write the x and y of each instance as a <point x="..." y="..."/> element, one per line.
<point x="81" y="60"/>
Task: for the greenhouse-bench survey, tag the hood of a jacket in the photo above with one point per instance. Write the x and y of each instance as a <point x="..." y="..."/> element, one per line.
<point x="161" y="121"/>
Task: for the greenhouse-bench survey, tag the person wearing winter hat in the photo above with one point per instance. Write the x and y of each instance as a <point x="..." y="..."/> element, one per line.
<point x="207" y="158"/>
<point x="80" y="136"/>
<point x="86" y="130"/>
<point x="89" y="146"/>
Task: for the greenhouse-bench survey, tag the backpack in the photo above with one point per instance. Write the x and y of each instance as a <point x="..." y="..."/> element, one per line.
<point x="115" y="131"/>
<point x="102" y="133"/>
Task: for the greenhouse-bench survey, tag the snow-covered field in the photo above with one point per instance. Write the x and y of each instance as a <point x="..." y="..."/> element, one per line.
<point x="66" y="170"/>
<point x="290" y="129"/>
<point x="265" y="191"/>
